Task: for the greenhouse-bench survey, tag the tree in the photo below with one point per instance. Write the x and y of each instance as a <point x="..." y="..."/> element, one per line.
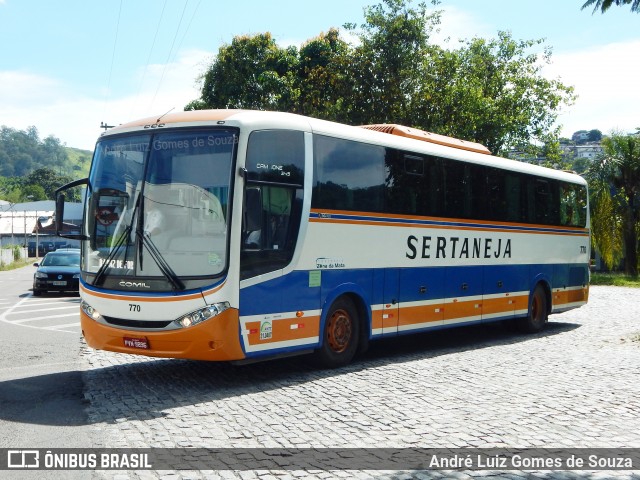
<point x="388" y="64"/>
<point x="615" y="182"/>
<point x="47" y="181"/>
<point x="323" y="77"/>
<point x="603" y="5"/>
<point x="487" y="91"/>
<point x="22" y="151"/>
<point x="594" y="135"/>
<point x="493" y="92"/>
<point x="253" y="73"/>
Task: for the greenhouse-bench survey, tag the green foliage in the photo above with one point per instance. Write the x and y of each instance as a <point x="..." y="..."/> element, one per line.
<point x="31" y="169"/>
<point x="606" y="227"/>
<point x="614" y="279"/>
<point x="323" y="78"/>
<point x="23" y="151"/>
<point x="603" y="5"/>
<point x="493" y="92"/>
<point x="595" y="135"/>
<point x="489" y="91"/>
<point x="253" y="73"/>
<point x="615" y="185"/>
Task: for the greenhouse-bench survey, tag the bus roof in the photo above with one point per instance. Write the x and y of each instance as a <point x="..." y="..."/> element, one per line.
<point x="401" y="137"/>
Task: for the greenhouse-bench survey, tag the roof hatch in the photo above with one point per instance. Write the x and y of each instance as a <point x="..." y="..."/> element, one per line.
<point x="417" y="134"/>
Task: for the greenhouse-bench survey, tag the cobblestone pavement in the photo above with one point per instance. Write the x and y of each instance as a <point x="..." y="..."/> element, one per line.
<point x="574" y="385"/>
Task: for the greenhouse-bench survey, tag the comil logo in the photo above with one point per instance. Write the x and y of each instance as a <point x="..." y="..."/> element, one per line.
<point x="23" y="459"/>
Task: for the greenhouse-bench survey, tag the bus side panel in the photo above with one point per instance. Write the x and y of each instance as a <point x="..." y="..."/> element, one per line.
<point x="280" y="315"/>
<point x="422" y="293"/>
<point x="505" y="291"/>
<point x="569" y="287"/>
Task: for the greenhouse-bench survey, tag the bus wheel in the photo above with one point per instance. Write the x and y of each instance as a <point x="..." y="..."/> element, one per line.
<point x="536" y="319"/>
<point x="340" y="335"/>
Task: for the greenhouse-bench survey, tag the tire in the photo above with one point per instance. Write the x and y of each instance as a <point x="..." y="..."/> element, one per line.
<point x="340" y="335"/>
<point x="536" y="319"/>
<point x="37" y="293"/>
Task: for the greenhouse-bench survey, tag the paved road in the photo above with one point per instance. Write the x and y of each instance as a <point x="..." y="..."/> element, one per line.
<point x="41" y="390"/>
<point x="575" y="385"/>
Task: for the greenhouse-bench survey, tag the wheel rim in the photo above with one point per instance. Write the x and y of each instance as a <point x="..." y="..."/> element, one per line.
<point x="339" y="331"/>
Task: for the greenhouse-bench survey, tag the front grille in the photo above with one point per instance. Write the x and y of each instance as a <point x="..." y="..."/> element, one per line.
<point x="122" y="322"/>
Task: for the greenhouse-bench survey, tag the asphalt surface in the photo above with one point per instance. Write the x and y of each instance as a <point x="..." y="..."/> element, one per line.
<point x="42" y="402"/>
<point x="573" y="386"/>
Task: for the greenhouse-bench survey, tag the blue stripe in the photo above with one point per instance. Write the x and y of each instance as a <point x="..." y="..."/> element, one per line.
<point x="445" y="223"/>
<point x="291" y="292"/>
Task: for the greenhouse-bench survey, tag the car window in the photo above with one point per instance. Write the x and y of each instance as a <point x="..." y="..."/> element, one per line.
<point x="61" y="261"/>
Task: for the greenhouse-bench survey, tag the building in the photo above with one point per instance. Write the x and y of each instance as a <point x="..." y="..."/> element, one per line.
<point x="31" y="225"/>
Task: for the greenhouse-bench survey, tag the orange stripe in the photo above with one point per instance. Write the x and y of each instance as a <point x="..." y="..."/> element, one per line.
<point x="564" y="297"/>
<point x="440" y="227"/>
<point x="281" y="330"/>
<point x="399" y="218"/>
<point x="462" y="309"/>
<point x="421" y="314"/>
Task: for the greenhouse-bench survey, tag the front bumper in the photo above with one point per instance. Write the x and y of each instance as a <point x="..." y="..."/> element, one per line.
<point x="217" y="339"/>
<point x="46" y="284"/>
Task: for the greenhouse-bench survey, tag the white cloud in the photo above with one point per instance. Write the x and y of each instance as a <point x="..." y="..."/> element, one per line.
<point x="606" y="80"/>
<point x="457" y="24"/>
<point x="57" y="109"/>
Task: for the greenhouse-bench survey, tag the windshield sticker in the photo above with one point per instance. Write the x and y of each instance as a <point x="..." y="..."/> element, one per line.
<point x="118" y="264"/>
<point x="214" y="259"/>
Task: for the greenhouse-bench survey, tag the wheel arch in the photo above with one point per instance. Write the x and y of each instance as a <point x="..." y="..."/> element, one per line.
<point x="357" y="296"/>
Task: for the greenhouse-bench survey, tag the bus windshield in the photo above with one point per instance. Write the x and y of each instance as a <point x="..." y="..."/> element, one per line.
<point x="158" y="207"/>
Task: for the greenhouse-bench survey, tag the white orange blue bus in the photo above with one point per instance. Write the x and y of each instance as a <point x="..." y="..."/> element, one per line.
<point x="234" y="235"/>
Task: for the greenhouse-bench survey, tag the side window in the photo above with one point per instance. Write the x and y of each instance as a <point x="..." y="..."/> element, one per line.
<point x="513" y="195"/>
<point x="495" y="200"/>
<point x="272" y="201"/>
<point x="546" y="203"/>
<point x="348" y="175"/>
<point x="458" y="189"/>
<point x="573" y="205"/>
<point x="412" y="184"/>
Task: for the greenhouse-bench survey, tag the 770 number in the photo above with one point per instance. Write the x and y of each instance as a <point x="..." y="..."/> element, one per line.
<point x="134" y="307"/>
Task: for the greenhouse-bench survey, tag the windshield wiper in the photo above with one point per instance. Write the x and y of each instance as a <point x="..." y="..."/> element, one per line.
<point x="164" y="267"/>
<point x="114" y="251"/>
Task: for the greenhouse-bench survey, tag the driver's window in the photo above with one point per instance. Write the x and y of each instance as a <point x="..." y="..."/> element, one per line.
<point x="270" y="223"/>
<point x="272" y="200"/>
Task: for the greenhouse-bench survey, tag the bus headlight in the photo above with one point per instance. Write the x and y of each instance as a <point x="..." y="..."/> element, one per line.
<point x="89" y="310"/>
<point x="199" y="316"/>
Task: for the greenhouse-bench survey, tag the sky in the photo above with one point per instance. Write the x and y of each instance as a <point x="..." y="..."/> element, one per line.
<point x="66" y="66"/>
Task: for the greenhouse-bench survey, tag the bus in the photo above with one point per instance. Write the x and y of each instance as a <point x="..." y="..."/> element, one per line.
<point x="237" y="235"/>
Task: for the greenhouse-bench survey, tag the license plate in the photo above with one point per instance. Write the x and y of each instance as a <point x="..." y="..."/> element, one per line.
<point x="135" y="342"/>
<point x="59" y="284"/>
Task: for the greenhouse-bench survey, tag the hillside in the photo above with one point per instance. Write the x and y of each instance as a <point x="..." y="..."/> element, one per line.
<point x="79" y="161"/>
<point x="32" y="168"/>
